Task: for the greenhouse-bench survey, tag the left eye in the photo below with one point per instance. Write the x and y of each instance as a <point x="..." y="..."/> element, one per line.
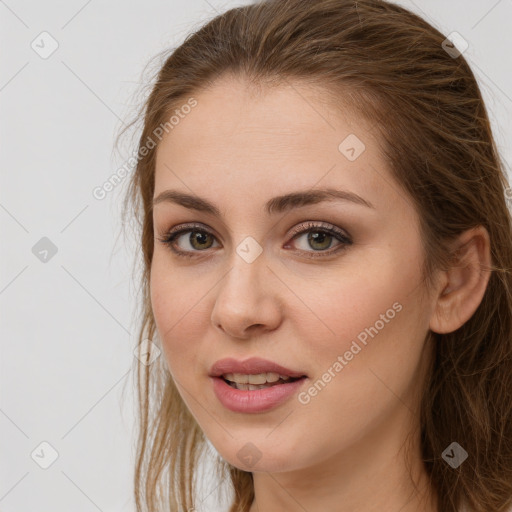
<point x="319" y="238"/>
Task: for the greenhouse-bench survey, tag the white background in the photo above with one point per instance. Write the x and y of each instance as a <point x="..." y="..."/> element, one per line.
<point x="67" y="327"/>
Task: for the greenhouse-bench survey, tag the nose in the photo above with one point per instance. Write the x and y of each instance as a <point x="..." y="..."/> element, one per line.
<point x="247" y="302"/>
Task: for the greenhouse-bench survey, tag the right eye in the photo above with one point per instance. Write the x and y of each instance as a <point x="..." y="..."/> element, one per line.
<point x="196" y="237"/>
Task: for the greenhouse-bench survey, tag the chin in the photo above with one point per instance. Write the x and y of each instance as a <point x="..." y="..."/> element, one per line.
<point x="260" y="456"/>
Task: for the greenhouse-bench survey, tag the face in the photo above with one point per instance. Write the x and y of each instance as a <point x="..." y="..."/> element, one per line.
<point x="328" y="288"/>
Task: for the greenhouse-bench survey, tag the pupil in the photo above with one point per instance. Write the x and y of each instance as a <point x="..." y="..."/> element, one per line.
<point x="319" y="237"/>
<point x="200" y="237"/>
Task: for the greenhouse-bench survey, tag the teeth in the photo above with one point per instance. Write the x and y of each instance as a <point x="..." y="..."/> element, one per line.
<point x="237" y="377"/>
<point x="254" y="380"/>
<point x="261" y="378"/>
<point x="250" y="387"/>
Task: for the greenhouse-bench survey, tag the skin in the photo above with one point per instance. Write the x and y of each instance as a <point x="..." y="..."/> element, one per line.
<point x="345" y="449"/>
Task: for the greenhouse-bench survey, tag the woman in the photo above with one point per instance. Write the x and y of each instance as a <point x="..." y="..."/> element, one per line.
<point x="327" y="253"/>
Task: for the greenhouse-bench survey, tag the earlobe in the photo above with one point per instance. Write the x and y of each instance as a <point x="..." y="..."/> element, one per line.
<point x="464" y="284"/>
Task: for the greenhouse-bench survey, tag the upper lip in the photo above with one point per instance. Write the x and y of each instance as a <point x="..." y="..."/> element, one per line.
<point x="251" y="366"/>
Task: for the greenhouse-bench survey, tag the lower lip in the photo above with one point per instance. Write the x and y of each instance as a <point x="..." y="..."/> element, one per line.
<point x="253" y="401"/>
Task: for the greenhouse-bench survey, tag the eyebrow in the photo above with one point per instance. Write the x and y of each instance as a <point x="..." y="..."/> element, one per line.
<point x="279" y="204"/>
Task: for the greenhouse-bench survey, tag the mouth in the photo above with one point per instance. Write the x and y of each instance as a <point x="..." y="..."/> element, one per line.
<point x="254" y="371"/>
<point x="255" y="393"/>
<point x="254" y="382"/>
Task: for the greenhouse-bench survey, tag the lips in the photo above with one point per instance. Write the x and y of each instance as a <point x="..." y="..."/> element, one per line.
<point x="251" y="366"/>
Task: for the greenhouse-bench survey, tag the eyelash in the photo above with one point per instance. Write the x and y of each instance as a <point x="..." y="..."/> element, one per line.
<point x="174" y="233"/>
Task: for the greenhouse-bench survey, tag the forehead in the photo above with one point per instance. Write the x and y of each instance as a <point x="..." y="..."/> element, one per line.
<point x="279" y="139"/>
<point x="296" y="115"/>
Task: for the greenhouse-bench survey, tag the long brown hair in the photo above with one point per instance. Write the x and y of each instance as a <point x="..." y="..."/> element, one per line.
<point x="428" y="112"/>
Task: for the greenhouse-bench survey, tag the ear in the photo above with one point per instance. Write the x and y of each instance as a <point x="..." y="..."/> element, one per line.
<point x="462" y="287"/>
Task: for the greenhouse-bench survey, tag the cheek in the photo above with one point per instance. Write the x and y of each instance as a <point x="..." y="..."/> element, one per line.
<point x="163" y="294"/>
<point x="360" y="328"/>
<point x="367" y="346"/>
<point x="337" y="308"/>
<point x="180" y="311"/>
